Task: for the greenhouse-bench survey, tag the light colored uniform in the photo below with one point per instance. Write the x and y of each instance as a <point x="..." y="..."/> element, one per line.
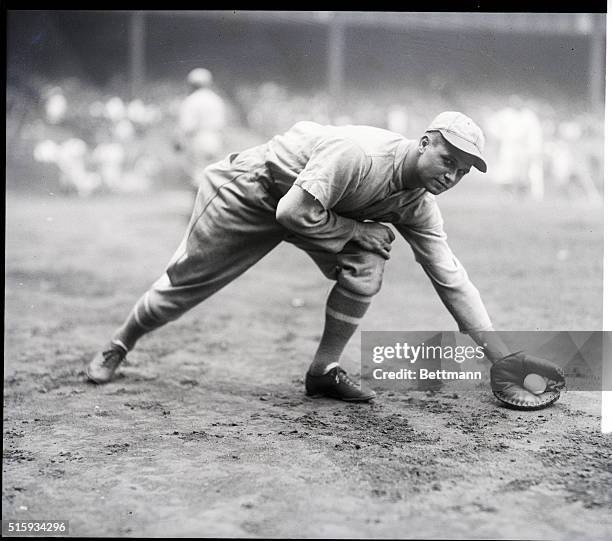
<point x="521" y="149"/>
<point x="202" y="117"/>
<point x="356" y="173"/>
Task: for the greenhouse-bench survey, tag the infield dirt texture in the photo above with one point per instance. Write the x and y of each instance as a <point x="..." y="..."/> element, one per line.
<point x="207" y="431"/>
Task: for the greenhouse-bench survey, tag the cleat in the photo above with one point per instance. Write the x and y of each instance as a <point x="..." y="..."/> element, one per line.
<point x="102" y="367"/>
<point x="337" y="384"/>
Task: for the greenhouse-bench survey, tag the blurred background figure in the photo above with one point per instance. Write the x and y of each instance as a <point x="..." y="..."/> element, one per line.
<point x="108" y="157"/>
<point x="56" y="105"/>
<point x="70" y="158"/>
<point x="46" y="151"/>
<point x="201" y="121"/>
<point x="117" y="113"/>
<point x="75" y="176"/>
<point x="570" y="162"/>
<point x="519" y="148"/>
<point x="397" y="119"/>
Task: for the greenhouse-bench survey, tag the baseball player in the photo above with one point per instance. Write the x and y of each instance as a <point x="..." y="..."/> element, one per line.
<point x="518" y="131"/>
<point x="202" y="118"/>
<point x="327" y="190"/>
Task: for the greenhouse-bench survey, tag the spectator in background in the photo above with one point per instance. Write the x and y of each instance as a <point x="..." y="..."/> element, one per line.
<point x="569" y="162"/>
<point x="70" y="157"/>
<point x="109" y="157"/>
<point x="72" y="160"/>
<point x="56" y="105"/>
<point x="202" y="119"/>
<point x="397" y="119"/>
<point x="519" y="165"/>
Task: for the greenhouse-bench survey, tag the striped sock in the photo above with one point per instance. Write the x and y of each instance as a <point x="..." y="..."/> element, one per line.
<point x="138" y="323"/>
<point x="342" y="317"/>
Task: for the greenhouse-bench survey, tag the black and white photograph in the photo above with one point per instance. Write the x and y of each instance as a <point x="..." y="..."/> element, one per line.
<point x="306" y="274"/>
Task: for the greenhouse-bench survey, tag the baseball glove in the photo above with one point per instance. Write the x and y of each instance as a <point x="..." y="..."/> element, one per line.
<point x="508" y="374"/>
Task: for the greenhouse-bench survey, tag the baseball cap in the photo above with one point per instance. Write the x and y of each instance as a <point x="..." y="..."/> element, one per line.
<point x="199" y="77"/>
<point x="463" y="133"/>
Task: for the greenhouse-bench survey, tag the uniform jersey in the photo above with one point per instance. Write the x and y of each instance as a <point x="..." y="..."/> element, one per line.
<point x="201" y="122"/>
<point x="356" y="173"/>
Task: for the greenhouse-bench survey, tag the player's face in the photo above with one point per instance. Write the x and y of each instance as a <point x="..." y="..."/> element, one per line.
<point x="440" y="165"/>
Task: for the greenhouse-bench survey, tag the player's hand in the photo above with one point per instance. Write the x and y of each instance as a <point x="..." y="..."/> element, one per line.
<point x="374" y="237"/>
<point x="509" y="386"/>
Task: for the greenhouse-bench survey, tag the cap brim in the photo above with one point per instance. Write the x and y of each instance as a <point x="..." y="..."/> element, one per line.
<point x="467" y="147"/>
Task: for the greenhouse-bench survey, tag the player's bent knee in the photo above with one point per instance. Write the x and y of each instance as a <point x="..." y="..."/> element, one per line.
<point x="362" y="286"/>
<point x="364" y="276"/>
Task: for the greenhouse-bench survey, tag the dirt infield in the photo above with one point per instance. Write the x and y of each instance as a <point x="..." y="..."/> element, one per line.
<point x="207" y="431"/>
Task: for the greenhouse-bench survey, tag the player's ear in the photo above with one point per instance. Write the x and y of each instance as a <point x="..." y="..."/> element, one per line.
<point x="424" y="142"/>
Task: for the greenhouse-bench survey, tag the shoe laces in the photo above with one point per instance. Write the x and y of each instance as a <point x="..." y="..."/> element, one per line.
<point x="341" y="375"/>
<point x="112" y="357"/>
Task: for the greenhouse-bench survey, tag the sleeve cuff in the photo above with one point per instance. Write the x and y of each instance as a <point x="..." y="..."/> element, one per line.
<point x="316" y="189"/>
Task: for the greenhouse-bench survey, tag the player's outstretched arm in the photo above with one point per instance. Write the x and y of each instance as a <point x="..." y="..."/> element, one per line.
<point x="492" y="344"/>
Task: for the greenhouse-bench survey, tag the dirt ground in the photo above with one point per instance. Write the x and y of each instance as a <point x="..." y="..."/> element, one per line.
<point x="207" y="431"/>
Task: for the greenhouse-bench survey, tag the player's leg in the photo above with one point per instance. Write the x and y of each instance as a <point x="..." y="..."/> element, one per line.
<point x="358" y="275"/>
<point x="165" y="301"/>
<point x="232" y="227"/>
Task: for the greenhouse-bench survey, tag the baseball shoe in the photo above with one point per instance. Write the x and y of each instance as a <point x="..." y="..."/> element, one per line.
<point x="337" y="384"/>
<point x="102" y="367"/>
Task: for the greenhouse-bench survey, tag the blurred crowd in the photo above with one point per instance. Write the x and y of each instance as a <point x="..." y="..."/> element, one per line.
<point x="87" y="141"/>
<point x="108" y="156"/>
<point x="535" y="144"/>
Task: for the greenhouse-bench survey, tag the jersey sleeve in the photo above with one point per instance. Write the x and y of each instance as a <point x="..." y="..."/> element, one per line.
<point x="316" y="226"/>
<point x="335" y="167"/>
<point x="429" y="244"/>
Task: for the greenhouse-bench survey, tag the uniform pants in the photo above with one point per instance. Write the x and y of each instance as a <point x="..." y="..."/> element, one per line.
<point x="233" y="225"/>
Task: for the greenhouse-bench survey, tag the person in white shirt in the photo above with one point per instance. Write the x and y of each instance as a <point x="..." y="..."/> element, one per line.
<point x="201" y="121"/>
